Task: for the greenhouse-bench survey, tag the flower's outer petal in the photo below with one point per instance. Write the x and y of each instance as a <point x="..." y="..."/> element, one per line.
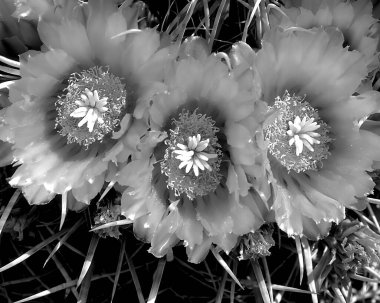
<point x="241" y="54"/>
<point x="315" y="231"/>
<point x="17" y="36"/>
<point x="37" y="194"/>
<point x="249" y="79"/>
<point x="257" y="206"/>
<point x="131" y="13"/>
<point x="155" y="68"/>
<point x="352" y="157"/>
<point x="237" y="181"/>
<point x="147" y="143"/>
<point x="56" y="63"/>
<point x="69" y="35"/>
<point x="6" y="153"/>
<point x="141" y="202"/>
<point x="165" y="237"/>
<point x="150" y="93"/>
<point x="226" y="241"/>
<point x="128" y="143"/>
<point x="238" y="135"/>
<point x="38" y="87"/>
<point x="222" y="214"/>
<point x="104" y="22"/>
<point x="89" y="190"/>
<point x="132" y="205"/>
<point x="98" y="13"/>
<point x="355" y="108"/>
<point x="287" y="217"/>
<point x="139" y="48"/>
<point x="242" y="148"/>
<point x="213" y="211"/>
<point x="73" y="204"/>
<point x="328" y="208"/>
<point x="244" y="220"/>
<point x="374" y="128"/>
<point x="244" y="156"/>
<point x="32" y="9"/>
<point x="134" y="172"/>
<point x="191" y="230"/>
<point x="199" y="252"/>
<point x="145" y="226"/>
<point x="195" y="47"/>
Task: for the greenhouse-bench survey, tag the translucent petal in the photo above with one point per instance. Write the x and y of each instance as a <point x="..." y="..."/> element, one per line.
<point x="184" y="152"/>
<point x="91" y="120"/>
<point x="192" y="142"/>
<point x="92" y="101"/>
<point x="307" y="138"/>
<point x="184" y="158"/>
<point x="307" y="144"/>
<point x="183" y="164"/>
<point x="79" y="112"/>
<point x="209" y="156"/>
<point x="202" y="156"/>
<point x="96" y="95"/>
<point x="199" y="164"/>
<point x="80" y="103"/>
<point x="205" y="164"/>
<point x="181" y="146"/>
<point x="202" y="145"/>
<point x="310" y="127"/>
<point x="84" y="120"/>
<point x="299" y="145"/>
<point x="313" y="134"/>
<point x="196" y="170"/>
<point x="189" y="165"/>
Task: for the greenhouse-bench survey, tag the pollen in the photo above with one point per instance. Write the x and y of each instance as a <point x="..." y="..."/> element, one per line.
<point x="193" y="155"/>
<point x="91" y="106"/>
<point x="297" y="137"/>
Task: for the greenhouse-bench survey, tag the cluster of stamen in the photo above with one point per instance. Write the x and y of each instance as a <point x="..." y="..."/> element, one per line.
<point x="193" y="156"/>
<point x="92" y="106"/>
<point x="297" y="137"/>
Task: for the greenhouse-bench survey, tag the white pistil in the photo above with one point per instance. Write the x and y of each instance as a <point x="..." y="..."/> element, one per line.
<point x="301" y="132"/>
<point x="90" y="109"/>
<point x="193" y="155"/>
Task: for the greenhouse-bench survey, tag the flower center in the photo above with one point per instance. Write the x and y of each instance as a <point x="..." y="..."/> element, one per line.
<point x="297" y="137"/>
<point x="92" y="107"/>
<point x="193" y="156"/>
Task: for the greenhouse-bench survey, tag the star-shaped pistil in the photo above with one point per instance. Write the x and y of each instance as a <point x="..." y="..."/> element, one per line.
<point x="193" y="155"/>
<point x="302" y="133"/>
<point x="90" y="109"/>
